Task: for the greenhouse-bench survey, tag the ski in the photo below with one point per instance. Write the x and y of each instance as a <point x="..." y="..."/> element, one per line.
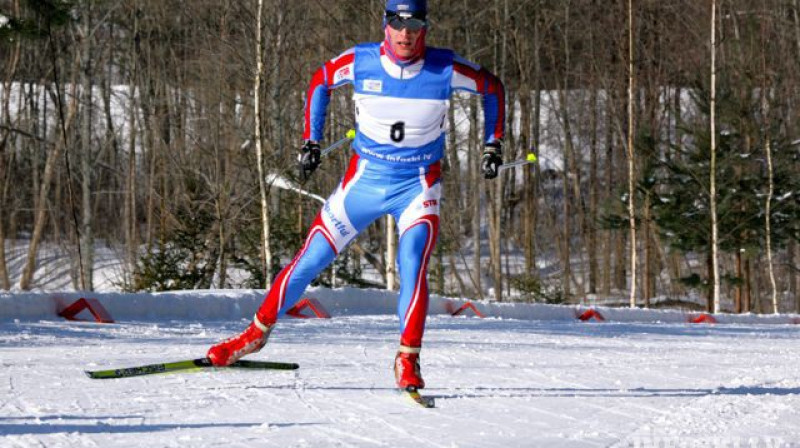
<point x="186" y="365"/>
<point x="413" y="394"/>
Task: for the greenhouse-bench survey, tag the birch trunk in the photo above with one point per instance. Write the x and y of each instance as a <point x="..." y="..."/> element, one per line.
<point x="631" y="161"/>
<point x="768" y="206"/>
<point x="266" y="253"/>
<point x="713" y="169"/>
<point x="765" y="112"/>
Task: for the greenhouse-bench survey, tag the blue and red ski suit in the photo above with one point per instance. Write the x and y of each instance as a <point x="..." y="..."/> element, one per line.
<point x="401" y="111"/>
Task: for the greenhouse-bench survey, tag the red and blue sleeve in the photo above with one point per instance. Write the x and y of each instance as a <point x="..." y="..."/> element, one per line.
<point x="334" y="73"/>
<point x="475" y="79"/>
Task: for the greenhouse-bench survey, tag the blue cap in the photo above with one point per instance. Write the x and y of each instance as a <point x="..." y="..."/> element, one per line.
<point x="409" y="6"/>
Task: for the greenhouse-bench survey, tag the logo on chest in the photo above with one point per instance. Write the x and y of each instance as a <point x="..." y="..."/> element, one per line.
<point x="373" y="85"/>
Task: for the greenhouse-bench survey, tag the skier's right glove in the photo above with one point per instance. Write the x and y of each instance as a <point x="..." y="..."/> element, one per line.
<point x="492" y="159"/>
<point x="309" y="159"/>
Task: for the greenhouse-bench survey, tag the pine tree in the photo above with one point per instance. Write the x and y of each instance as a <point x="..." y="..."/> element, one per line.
<point x="681" y="204"/>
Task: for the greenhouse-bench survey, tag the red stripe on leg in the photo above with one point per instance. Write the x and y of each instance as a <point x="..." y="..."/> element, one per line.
<point x="352" y="169"/>
<point x="434" y="174"/>
<point x="418" y="309"/>
<point x="273" y="302"/>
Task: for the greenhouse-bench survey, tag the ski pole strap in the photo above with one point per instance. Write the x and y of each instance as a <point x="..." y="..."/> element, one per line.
<point x="409" y="350"/>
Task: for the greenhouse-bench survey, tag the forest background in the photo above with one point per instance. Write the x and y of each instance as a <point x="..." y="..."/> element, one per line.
<point x="666" y="130"/>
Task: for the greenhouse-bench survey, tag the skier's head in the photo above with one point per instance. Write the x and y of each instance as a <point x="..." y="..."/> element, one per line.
<point x="405" y="25"/>
<point x="412" y="13"/>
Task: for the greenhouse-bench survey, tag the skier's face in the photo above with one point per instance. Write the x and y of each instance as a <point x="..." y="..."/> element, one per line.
<point x="403" y="41"/>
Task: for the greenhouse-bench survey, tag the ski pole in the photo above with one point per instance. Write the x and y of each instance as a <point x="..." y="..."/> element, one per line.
<point x="351" y="134"/>
<point x="530" y="158"/>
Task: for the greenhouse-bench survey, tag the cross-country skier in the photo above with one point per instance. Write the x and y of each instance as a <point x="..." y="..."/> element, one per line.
<point x="401" y="94"/>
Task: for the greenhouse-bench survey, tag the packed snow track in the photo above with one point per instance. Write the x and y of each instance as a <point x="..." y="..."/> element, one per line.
<point x="497" y="383"/>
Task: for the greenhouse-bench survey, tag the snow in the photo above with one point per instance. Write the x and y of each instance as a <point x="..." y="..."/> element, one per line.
<point x="529" y="375"/>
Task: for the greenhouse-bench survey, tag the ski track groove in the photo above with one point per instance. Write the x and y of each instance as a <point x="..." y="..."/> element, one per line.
<point x="688" y="405"/>
<point x="324" y="416"/>
<point x="578" y="377"/>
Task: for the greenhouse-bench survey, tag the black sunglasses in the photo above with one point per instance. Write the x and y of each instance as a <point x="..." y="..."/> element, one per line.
<point x="413" y="22"/>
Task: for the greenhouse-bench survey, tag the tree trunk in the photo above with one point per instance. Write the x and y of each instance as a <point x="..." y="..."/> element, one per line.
<point x="527" y="196"/>
<point x="609" y="236"/>
<point x="86" y="264"/>
<point x="266" y="253"/>
<point x="591" y="227"/>
<point x="647" y="290"/>
<point x="794" y="288"/>
<point x="710" y="304"/>
<point x="768" y="228"/>
<point x="713" y="168"/>
<point x="737" y="293"/>
<point x="631" y="152"/>
<point x="477" y="183"/>
<point x="748" y="286"/>
<point x="41" y="212"/>
<point x="531" y="181"/>
<point x="494" y="198"/>
<point x="5" y="136"/>
<point x="765" y="112"/>
<point x="129" y="214"/>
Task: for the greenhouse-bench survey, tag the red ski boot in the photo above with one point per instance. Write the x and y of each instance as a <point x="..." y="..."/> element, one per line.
<point x="232" y="349"/>
<point x="406" y="369"/>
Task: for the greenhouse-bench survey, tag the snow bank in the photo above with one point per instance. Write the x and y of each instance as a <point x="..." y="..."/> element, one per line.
<point x="241" y="304"/>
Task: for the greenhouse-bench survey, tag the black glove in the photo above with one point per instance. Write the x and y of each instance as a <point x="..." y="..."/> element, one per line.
<point x="309" y="159"/>
<point x="492" y="159"/>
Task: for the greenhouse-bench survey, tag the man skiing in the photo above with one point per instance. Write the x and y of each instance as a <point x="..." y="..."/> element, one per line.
<point x="401" y="96"/>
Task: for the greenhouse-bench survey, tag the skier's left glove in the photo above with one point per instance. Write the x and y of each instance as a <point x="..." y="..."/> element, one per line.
<point x="492" y="159"/>
<point x="309" y="159"/>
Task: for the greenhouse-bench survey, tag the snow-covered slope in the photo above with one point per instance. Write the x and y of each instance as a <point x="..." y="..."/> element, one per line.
<point x="497" y="382"/>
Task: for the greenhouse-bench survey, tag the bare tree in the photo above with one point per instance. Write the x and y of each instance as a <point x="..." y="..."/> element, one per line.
<point x="266" y="256"/>
<point x="5" y="138"/>
<point x="631" y="153"/>
<point x="53" y="156"/>
<point x="713" y="169"/>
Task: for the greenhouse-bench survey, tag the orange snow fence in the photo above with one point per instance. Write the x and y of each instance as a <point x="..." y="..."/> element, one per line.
<point x="465" y="307"/>
<point x="316" y="308"/>
<point x="591" y="314"/>
<point x="703" y="318"/>
<point x="94" y="306"/>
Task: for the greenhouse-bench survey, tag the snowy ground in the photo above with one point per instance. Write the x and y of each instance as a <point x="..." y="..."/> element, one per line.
<point x="497" y="383"/>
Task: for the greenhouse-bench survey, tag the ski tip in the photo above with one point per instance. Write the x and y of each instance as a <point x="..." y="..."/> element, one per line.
<point x="413" y="393"/>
